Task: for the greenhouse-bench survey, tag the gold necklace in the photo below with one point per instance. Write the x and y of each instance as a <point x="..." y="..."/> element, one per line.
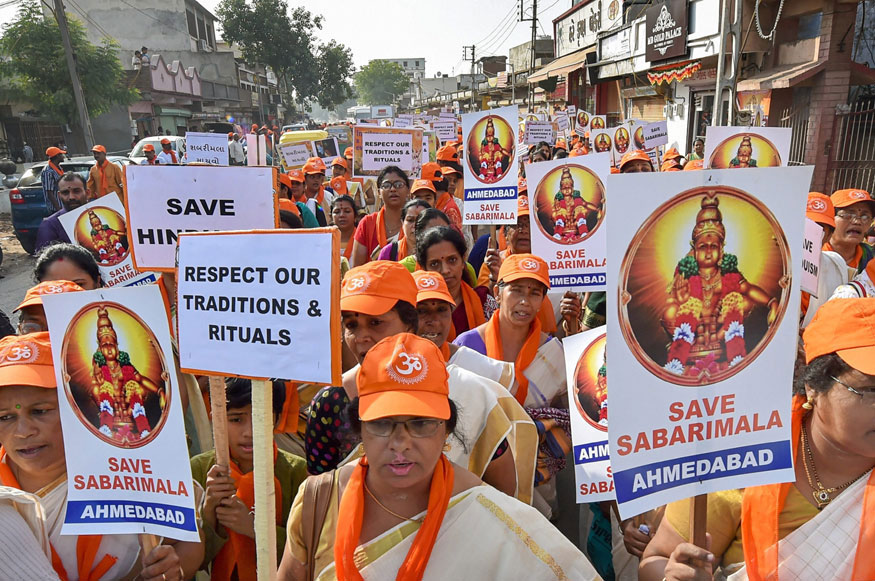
<point x="822" y="496"/>
<point x="387" y="509"/>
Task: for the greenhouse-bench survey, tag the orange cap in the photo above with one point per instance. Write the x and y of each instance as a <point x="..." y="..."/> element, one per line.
<point x="517" y="266"/>
<point x="432" y="172"/>
<point x="27" y="360"/>
<point x="820" y="209"/>
<point x="632" y="155"/>
<point x="288" y="205"/>
<point x="845" y="327"/>
<point x="560" y="144"/>
<point x="694" y="164"/>
<point x="295" y="175"/>
<point x="522" y="185"/>
<point x="314" y="165"/>
<point x="403" y="375"/>
<point x="431" y="285"/>
<point x="422" y="185"/>
<point x="670" y="165"/>
<point x="230" y="134"/>
<point x="341" y="162"/>
<point x="576" y="152"/>
<point x="448" y="169"/>
<point x="522" y="205"/>
<point x="34" y="295"/>
<point x="99" y="148"/>
<point x="375" y="287"/>
<point x="615" y="170"/>
<point x="53" y="151"/>
<point x="845" y="198"/>
<point x="671" y="154"/>
<point x="347" y="153"/>
<point x="448" y="153"/>
<point x="165" y="141"/>
<point x="149" y="147"/>
<point x="338" y="184"/>
<point x="254" y="126"/>
<point x="284" y="180"/>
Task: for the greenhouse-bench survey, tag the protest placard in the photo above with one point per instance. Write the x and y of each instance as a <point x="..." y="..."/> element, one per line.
<point x="582" y="121"/>
<point x="597" y="121"/>
<point x="161" y="202"/>
<point x="571" y="110"/>
<point x="376" y="147"/>
<point x="490" y="166"/>
<point x="121" y="413"/>
<point x="741" y="147"/>
<point x="655" y="134"/>
<point x="211" y="148"/>
<point x="703" y="297"/>
<point x="99" y="227"/>
<point x="586" y="369"/>
<point x="430" y="146"/>
<point x="295" y="155"/>
<point x="246" y="306"/>
<point x="445" y="129"/>
<point x="538" y="131"/>
<point x="401" y="122"/>
<point x="602" y="141"/>
<point x="256" y="150"/>
<point x="567" y="200"/>
<point x="622" y="140"/>
<point x="812" y="246"/>
<point x="450" y="115"/>
<point x="326" y="149"/>
<point x="561" y="120"/>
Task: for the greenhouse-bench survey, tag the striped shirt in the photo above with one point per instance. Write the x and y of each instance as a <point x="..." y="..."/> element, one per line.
<point x="49" y="179"/>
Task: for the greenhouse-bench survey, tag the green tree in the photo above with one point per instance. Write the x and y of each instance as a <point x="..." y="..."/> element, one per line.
<point x="34" y="69"/>
<point x="380" y="83"/>
<point x="268" y="33"/>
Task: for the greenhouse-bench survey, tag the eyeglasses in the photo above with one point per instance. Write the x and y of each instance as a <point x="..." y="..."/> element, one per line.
<point x="417" y="427"/>
<point x="71" y="191"/>
<point x="867" y="396"/>
<point x="390" y="185"/>
<point x="853" y="216"/>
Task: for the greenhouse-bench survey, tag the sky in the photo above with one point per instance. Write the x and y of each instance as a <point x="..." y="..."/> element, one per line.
<point x="432" y="29"/>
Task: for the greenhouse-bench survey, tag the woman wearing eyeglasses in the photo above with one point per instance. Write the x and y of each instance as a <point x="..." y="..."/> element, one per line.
<point x="833" y="497"/>
<point x="379" y="229"/>
<point x="854" y="210"/>
<point x="403" y="510"/>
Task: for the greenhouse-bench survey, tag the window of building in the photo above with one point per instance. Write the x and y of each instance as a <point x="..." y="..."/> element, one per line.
<point x="201" y="28"/>
<point x="192" y="23"/>
<point x="417" y="64"/>
<point x="809" y="26"/>
<point x="405" y="64"/>
<point x="210" y="34"/>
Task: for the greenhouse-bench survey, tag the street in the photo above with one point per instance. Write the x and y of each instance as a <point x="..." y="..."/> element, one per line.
<point x="15" y="272"/>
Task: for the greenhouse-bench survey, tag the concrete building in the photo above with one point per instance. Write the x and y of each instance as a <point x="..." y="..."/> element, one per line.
<point x="413" y="67"/>
<point x="520" y="56"/>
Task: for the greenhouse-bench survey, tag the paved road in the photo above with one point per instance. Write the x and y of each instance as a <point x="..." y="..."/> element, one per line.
<point x="16" y="270"/>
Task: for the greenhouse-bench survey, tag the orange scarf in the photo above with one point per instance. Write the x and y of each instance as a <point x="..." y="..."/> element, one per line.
<point x="402" y="248"/>
<point x="382" y="240"/>
<point x="494" y="349"/>
<point x="442" y="201"/>
<point x="86" y="545"/>
<point x="762" y="505"/>
<point x="288" y="420"/>
<point x="351" y="515"/>
<point x="445" y="351"/>
<point x="239" y="552"/>
<point x="858" y="254"/>
<point x="347" y="252"/>
<point x="473" y="310"/>
<point x="102" y="170"/>
<point x="58" y="170"/>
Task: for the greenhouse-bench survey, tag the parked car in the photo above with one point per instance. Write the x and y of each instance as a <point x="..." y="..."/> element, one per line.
<point x="28" y="201"/>
<point x="294" y="127"/>
<point x="177" y="143"/>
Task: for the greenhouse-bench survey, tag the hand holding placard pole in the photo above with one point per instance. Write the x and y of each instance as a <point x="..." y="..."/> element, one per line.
<point x="699" y="520"/>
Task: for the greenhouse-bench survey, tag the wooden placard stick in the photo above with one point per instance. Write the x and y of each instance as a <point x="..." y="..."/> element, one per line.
<point x="699" y="520"/>
<point x="265" y="494"/>
<point x="218" y="406"/>
<point x="147" y="544"/>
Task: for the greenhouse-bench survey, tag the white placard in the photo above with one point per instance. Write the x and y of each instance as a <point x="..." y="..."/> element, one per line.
<point x="586" y="372"/>
<point x="621" y="137"/>
<point x="597" y="121"/>
<point x="256" y="150"/>
<point x="446" y="130"/>
<point x="99" y="227"/>
<point x="128" y="470"/>
<point x="568" y="203"/>
<point x="490" y="166"/>
<point x="448" y="115"/>
<point x="295" y="155"/>
<point x="249" y="305"/>
<point x="401" y="122"/>
<point x="211" y="148"/>
<point x="703" y="299"/>
<point x="538" y="131"/>
<point x="326" y="149"/>
<point x="561" y="120"/>
<point x="811" y="249"/>
<point x="741" y="147"/>
<point x="655" y="134"/>
<point x="376" y="147"/>
<point x="571" y="110"/>
<point x="162" y="201"/>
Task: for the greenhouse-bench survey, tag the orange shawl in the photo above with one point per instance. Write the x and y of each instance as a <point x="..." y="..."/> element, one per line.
<point x="445" y="351"/>
<point x="858" y="254"/>
<point x="102" y="170"/>
<point x="402" y="247"/>
<point x="473" y="310"/>
<point x="288" y="420"/>
<point x="351" y="516"/>
<point x="762" y="505"/>
<point x="494" y="349"/>
<point x="86" y="545"/>
<point x="382" y="240"/>
<point x="239" y="551"/>
<point x="58" y="170"/>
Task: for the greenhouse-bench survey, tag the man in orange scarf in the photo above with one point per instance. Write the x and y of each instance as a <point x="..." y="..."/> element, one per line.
<point x="104" y="177"/>
<point x="50" y="176"/>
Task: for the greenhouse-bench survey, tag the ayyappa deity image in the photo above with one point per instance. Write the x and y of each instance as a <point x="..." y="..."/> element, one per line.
<point x="591" y="384"/>
<point x="638" y="137"/>
<point x="712" y="319"/>
<point x="583" y="119"/>
<point x="602" y="143"/>
<point x="745" y="150"/>
<point x="597" y="123"/>
<point x="621" y="140"/>
<point x="490" y="149"/>
<point x="120" y="391"/>
<point x="570" y="202"/>
<point x="102" y="231"/>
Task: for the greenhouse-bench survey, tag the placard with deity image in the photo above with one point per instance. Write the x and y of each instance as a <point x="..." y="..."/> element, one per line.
<point x="703" y="294"/>
<point x="586" y="366"/>
<point x="567" y="199"/>
<point x="126" y="452"/>
<point x="99" y="227"/>
<point x="490" y="154"/>
<point x="744" y="147"/>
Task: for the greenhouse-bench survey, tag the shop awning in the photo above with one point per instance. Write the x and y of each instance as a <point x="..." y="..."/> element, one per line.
<point x="673" y="73"/>
<point x="170" y="112"/>
<point x="561" y="66"/>
<point x="782" y="77"/>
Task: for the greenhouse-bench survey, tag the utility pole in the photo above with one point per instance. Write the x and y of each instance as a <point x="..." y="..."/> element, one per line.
<point x="472" y="59"/>
<point x="84" y="120"/>
<point x="530" y="92"/>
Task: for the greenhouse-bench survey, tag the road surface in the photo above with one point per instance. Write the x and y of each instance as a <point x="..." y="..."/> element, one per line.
<point x="15" y="272"/>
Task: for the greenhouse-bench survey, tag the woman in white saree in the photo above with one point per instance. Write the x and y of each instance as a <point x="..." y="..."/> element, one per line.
<point x="820" y="526"/>
<point x="403" y="511"/>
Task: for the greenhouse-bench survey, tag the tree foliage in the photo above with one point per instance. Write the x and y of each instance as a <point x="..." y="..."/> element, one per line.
<point x="268" y="33"/>
<point x="380" y="82"/>
<point x="33" y="67"/>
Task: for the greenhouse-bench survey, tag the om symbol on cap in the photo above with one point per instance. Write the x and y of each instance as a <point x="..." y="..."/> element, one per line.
<point x="426" y="282"/>
<point x="817" y="205"/>
<point x="357" y="283"/>
<point x="857" y="195"/>
<point x="408" y="368"/>
<point x="529" y="264"/>
<point x="24" y="353"/>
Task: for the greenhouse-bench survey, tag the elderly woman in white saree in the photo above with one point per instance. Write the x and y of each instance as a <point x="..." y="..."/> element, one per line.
<point x="820" y="526"/>
<point x="404" y="511"/>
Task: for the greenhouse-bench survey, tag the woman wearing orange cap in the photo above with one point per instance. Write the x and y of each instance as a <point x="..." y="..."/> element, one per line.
<point x="635" y="161"/>
<point x="818" y="527"/>
<point x="32" y="459"/>
<point x="853" y="218"/>
<point x="377" y="230"/>
<point x="405" y="511"/>
<point x="832" y="273"/>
